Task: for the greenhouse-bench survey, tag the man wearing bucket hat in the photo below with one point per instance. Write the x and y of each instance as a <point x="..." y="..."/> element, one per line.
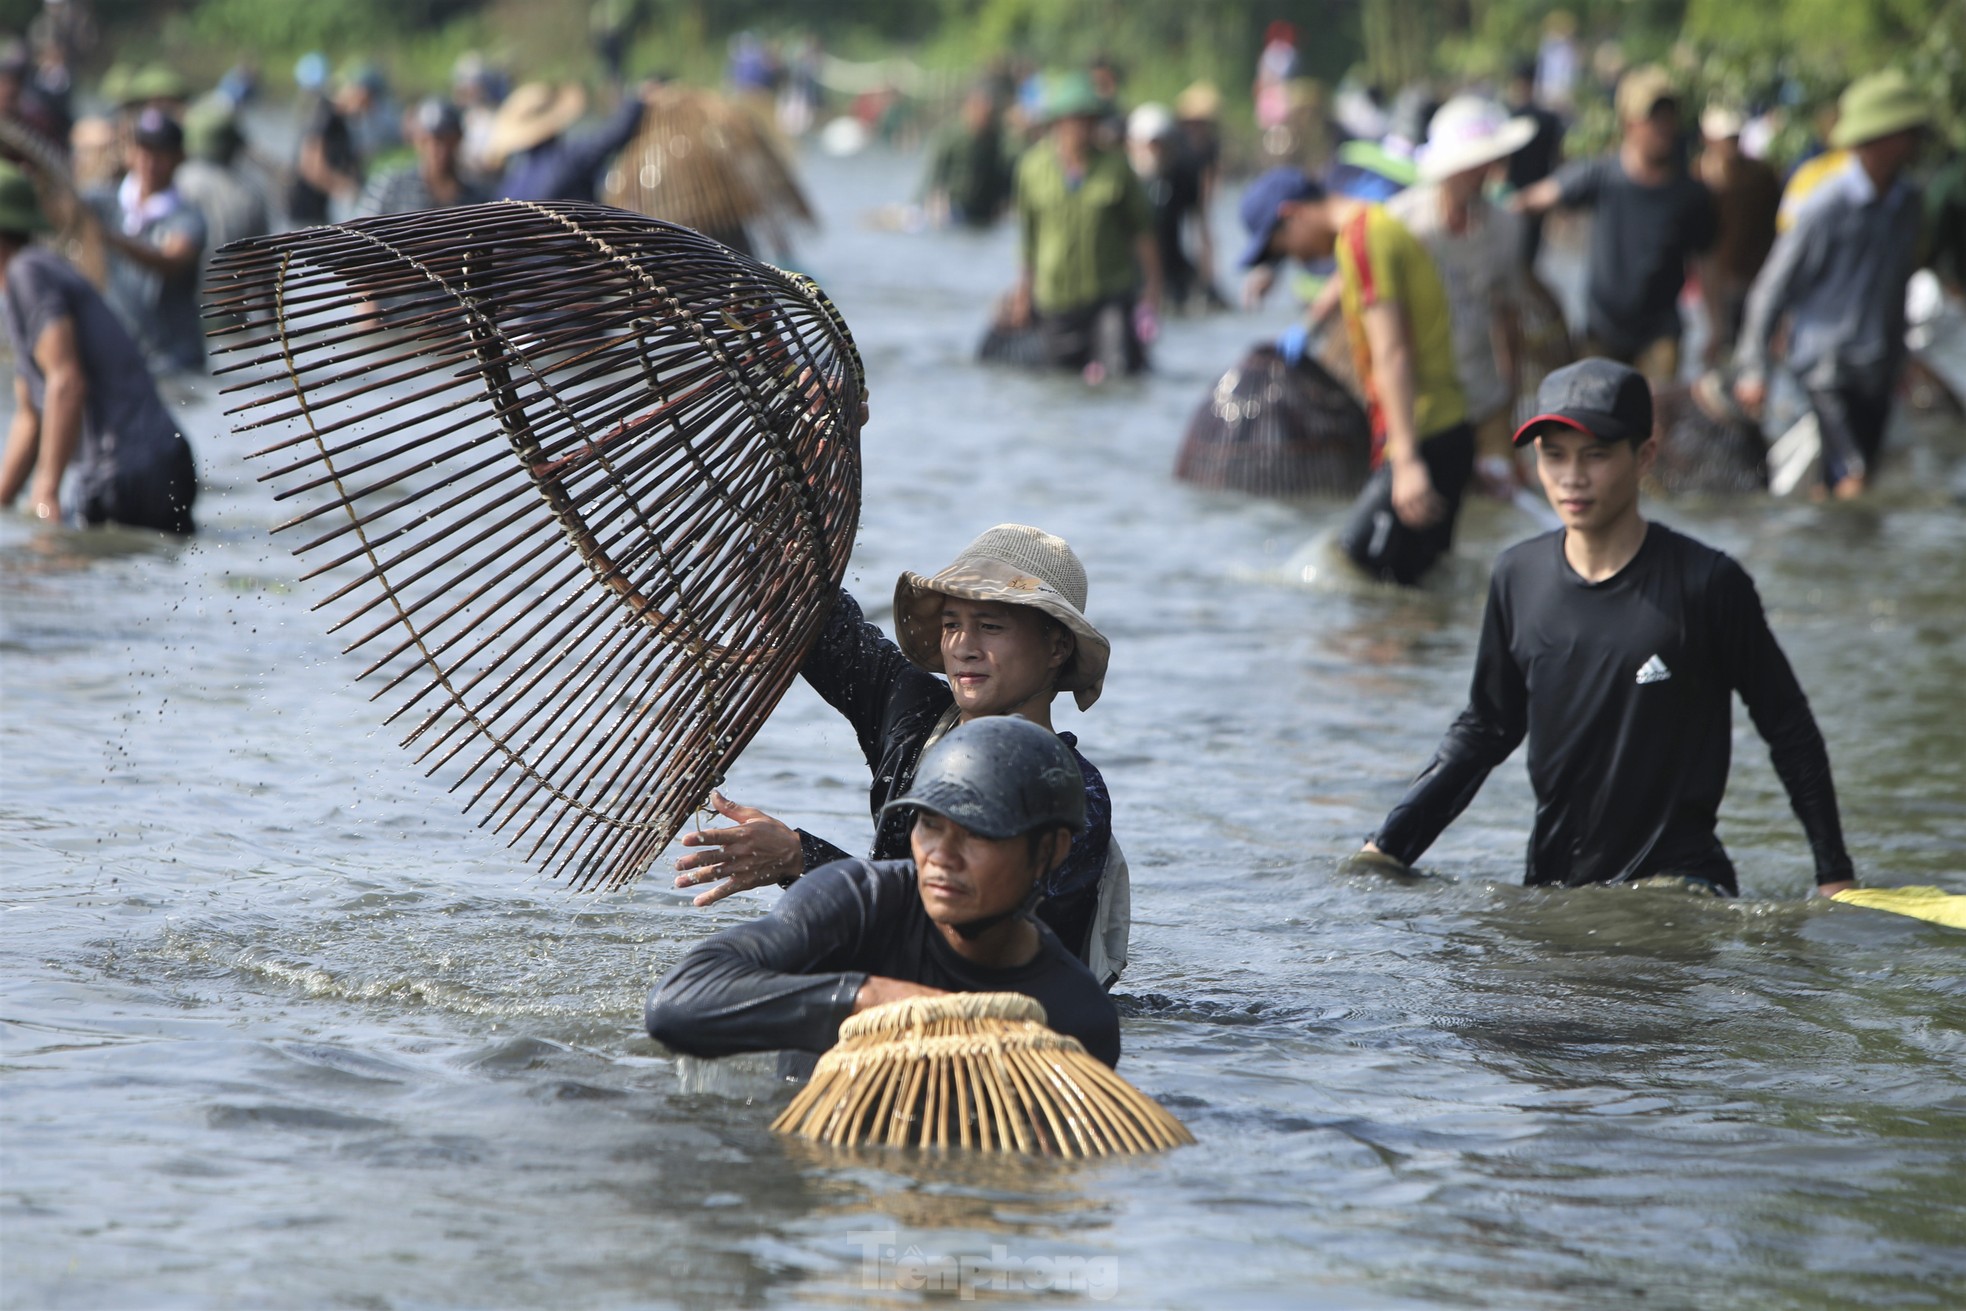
<point x="1396" y="315"/>
<point x="1839" y="275"/>
<point x="1089" y="272"/>
<point x="541" y="159"/>
<point x="84" y="406"/>
<point x="1005" y="625"/>
<point x="1477" y="249"/>
<point x="990" y="816"/>
<point x="1648" y="220"/>
<point x="1616" y="647"/>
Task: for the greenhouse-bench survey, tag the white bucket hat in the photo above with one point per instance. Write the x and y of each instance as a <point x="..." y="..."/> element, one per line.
<point x="1467" y="132"/>
<point x="1017" y="565"/>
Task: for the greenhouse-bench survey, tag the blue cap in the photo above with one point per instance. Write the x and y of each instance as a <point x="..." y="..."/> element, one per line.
<point x="1277" y="187"/>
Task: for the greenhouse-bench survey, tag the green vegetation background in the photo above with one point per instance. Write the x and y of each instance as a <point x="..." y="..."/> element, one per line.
<point x="1733" y="48"/>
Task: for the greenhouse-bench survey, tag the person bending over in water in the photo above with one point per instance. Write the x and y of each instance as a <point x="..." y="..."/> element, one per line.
<point x="992" y="813"/>
<point x="1616" y="645"/>
<point x="1397" y="316"/>
<point x="1006" y="624"/>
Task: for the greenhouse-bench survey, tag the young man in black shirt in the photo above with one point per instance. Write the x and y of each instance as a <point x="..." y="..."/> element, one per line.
<point x="995" y="805"/>
<point x="1616" y="646"/>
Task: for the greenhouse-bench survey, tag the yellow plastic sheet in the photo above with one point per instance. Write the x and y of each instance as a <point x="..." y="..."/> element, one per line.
<point x="1934" y="904"/>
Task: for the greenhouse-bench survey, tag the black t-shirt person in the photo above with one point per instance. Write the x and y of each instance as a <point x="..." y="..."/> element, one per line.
<point x="1625" y="690"/>
<point x="1641" y="238"/>
<point x="785" y="981"/>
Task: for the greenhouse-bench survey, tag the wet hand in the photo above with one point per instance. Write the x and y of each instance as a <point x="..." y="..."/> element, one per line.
<point x="1256" y="284"/>
<point x="879" y="991"/>
<point x="755" y="850"/>
<point x="1414" y="499"/>
<point x="1752" y="393"/>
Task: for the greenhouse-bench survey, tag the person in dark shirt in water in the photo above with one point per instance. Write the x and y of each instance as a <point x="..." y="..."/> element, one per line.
<point x="993" y="810"/>
<point x="1617" y="646"/>
<point x="1005" y="623"/>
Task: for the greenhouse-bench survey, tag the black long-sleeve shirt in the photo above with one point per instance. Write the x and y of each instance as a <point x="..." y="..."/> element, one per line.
<point x="894" y="706"/>
<point x="1625" y="690"/>
<point x="785" y="980"/>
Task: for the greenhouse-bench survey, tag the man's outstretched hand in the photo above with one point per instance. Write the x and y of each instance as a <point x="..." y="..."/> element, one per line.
<point x="755" y="850"/>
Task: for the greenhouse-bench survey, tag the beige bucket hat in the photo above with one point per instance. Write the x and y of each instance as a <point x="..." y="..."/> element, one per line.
<point x="1018" y="565"/>
<point x="534" y="112"/>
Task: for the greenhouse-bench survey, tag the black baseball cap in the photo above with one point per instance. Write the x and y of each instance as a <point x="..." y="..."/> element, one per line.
<point x="1604" y="398"/>
<point x="156" y="130"/>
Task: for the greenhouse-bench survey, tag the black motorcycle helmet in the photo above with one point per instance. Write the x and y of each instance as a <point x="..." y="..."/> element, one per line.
<point x="999" y="777"/>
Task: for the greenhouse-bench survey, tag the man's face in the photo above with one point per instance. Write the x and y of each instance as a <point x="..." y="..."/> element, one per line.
<point x="438" y="151"/>
<point x="1301" y="233"/>
<point x="964" y="876"/>
<point x="998" y="657"/>
<point x="1657" y="132"/>
<point x="1591" y="484"/>
<point x="154" y="168"/>
<point x="1892" y="155"/>
<point x="1073" y="132"/>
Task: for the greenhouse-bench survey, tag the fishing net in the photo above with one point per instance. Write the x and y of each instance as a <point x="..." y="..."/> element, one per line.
<point x="1705" y="447"/>
<point x="706" y="163"/>
<point x="584" y="485"/>
<point x="1273" y="428"/>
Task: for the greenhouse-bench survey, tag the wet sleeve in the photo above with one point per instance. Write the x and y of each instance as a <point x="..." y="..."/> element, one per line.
<point x="1578" y="182"/>
<point x="1786" y="268"/>
<point x="1481" y="738"/>
<point x="1757" y="668"/>
<point x="588" y="151"/>
<point x="782" y="981"/>
<point x="31" y="286"/>
<point x="858" y="670"/>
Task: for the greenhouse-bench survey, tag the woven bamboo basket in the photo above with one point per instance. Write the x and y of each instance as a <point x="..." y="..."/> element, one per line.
<point x="77" y="232"/>
<point x="1545" y="343"/>
<point x="584" y="485"/>
<point x="978" y="1071"/>
<point x="707" y="163"/>
<point x="1271" y="428"/>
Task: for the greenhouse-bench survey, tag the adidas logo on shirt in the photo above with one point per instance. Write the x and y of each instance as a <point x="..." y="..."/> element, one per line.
<point x="1654" y="671"/>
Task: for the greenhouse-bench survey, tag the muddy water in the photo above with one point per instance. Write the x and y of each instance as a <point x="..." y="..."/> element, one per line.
<point x="282" y="1028"/>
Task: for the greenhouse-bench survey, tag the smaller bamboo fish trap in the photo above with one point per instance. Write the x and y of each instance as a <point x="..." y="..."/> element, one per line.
<point x="703" y="162"/>
<point x="978" y="1071"/>
<point x="77" y="233"/>
<point x="1705" y="451"/>
<point x="1271" y="428"/>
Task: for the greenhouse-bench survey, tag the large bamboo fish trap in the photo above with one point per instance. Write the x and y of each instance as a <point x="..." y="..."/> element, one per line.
<point x="707" y="163"/>
<point x="1272" y="428"/>
<point x="583" y="485"/>
<point x="978" y="1071"/>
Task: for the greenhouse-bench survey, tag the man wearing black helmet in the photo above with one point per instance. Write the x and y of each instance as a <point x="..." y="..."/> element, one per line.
<point x="995" y="805"/>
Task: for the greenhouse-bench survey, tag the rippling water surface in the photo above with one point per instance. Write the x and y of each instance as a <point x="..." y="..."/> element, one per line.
<point x="282" y="1028"/>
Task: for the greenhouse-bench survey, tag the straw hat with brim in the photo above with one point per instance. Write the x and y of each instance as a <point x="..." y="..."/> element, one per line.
<point x="535" y="112"/>
<point x="1641" y="90"/>
<point x="1878" y="106"/>
<point x="1015" y="565"/>
<point x="1470" y="132"/>
<point x="1071" y="95"/>
<point x="20" y="208"/>
<point x="1201" y="102"/>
